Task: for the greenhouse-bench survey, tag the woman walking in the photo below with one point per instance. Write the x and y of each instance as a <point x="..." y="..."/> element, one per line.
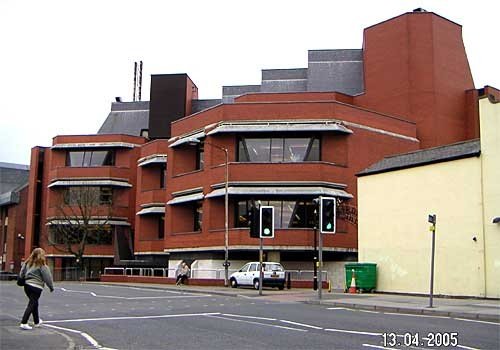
<point x="36" y="273"/>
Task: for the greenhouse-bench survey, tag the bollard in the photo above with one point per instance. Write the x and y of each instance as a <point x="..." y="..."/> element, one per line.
<point x="289" y="281"/>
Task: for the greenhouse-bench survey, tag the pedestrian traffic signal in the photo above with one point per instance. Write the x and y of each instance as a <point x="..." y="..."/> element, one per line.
<point x="327" y="213"/>
<point x="254" y="222"/>
<point x="266" y="222"/>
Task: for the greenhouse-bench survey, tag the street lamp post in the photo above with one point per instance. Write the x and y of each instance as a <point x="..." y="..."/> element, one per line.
<point x="226" y="213"/>
<point x="226" y="206"/>
<point x="226" y="219"/>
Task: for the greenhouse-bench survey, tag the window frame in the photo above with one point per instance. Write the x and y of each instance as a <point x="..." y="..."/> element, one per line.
<point x="243" y="155"/>
<point x="109" y="159"/>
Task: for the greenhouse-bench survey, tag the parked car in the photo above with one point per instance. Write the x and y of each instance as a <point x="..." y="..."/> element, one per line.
<point x="7" y="276"/>
<point x="248" y="275"/>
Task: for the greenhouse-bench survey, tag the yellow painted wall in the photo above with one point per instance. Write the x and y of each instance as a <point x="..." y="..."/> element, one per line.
<point x="394" y="233"/>
<point x="490" y="159"/>
<point x="464" y="194"/>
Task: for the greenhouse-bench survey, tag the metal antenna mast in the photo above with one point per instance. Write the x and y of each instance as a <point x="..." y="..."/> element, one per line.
<point x="135" y="80"/>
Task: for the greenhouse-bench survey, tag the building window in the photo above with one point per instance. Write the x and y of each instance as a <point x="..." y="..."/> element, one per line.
<point x="163" y="175"/>
<point x="279" y="149"/>
<point x="198" y="215"/>
<point x="287" y="213"/>
<point x="161" y="227"/>
<point x="90" y="158"/>
<point x="88" y="195"/>
<point x="73" y="234"/>
<point x="200" y="156"/>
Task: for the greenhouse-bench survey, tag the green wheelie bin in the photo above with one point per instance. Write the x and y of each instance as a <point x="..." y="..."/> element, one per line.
<point x="365" y="275"/>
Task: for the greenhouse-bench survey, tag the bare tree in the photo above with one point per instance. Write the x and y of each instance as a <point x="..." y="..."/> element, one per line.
<point x="82" y="217"/>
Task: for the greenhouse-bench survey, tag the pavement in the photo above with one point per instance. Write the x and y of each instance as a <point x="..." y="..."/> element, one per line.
<point x="468" y="308"/>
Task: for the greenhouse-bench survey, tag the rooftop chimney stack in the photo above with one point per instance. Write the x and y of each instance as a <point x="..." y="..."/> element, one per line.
<point x="137" y="81"/>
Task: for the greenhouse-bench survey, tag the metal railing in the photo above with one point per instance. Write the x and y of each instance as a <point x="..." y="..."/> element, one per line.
<point x="201" y="273"/>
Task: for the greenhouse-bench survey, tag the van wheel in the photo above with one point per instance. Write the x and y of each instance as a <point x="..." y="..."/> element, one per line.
<point x="233" y="283"/>
<point x="256" y="284"/>
<point x="281" y="287"/>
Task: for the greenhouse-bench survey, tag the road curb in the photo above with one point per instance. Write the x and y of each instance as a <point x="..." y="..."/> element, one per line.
<point x="403" y="310"/>
<point x="382" y="308"/>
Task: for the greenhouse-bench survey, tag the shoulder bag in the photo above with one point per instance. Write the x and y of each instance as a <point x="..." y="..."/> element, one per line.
<point x="21" y="281"/>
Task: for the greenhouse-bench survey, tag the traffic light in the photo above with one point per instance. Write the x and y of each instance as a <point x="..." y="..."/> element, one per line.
<point x="266" y="222"/>
<point x="254" y="222"/>
<point x="327" y="211"/>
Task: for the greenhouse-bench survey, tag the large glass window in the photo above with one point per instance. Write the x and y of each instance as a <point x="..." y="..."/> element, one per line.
<point x="277" y="150"/>
<point x="73" y="234"/>
<point x="90" y="158"/>
<point x="163" y="175"/>
<point x="200" y="156"/>
<point x="161" y="227"/>
<point x="198" y="215"/>
<point x="88" y="195"/>
<point x="287" y="213"/>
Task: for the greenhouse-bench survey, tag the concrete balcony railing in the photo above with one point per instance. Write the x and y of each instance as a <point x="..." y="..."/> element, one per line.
<point x="269" y="172"/>
<point x="90" y="172"/>
<point x="152" y="196"/>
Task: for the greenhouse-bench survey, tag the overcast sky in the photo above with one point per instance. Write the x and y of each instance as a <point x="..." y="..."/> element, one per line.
<point x="63" y="62"/>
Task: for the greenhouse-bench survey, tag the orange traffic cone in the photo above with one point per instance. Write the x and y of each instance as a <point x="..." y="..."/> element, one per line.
<point x="352" y="288"/>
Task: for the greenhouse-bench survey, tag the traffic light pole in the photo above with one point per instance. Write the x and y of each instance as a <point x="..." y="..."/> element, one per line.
<point x="315" y="257"/>
<point x="315" y="260"/>
<point x="261" y="270"/>
<point x="320" y="277"/>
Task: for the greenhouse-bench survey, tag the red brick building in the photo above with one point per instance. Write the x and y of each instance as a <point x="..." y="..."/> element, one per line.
<point x="13" y="201"/>
<point x="301" y="134"/>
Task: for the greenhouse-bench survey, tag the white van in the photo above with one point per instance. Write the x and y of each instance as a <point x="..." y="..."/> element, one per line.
<point x="248" y="275"/>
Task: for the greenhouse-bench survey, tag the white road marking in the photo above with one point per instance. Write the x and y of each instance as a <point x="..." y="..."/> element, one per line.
<point x="466" y="347"/>
<point x="179" y="295"/>
<point x="368" y="311"/>
<point x="478" y="321"/>
<point x="91" y="340"/>
<point x="142" y="288"/>
<point x="260" y="323"/>
<point x="244" y="296"/>
<point x="352" y="332"/>
<point x="252" y="317"/>
<point x="301" y="324"/>
<point x="337" y="308"/>
<point x="130" y="317"/>
<point x="378" y="347"/>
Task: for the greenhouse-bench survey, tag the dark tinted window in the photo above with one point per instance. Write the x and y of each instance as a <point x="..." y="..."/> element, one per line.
<point x="90" y="158"/>
<point x="276" y="149"/>
<point x="287" y="213"/>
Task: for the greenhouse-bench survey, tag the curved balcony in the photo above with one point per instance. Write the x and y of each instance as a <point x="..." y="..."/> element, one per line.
<point x="90" y="172"/>
<point x="148" y="246"/>
<point x="304" y="171"/>
<point x="90" y="249"/>
<point x="239" y="238"/>
<point x="152" y="196"/>
<point x="154" y="147"/>
<point x="269" y="172"/>
<point x="115" y="211"/>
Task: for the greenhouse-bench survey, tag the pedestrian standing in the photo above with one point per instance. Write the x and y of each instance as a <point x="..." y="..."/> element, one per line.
<point x="36" y="273"/>
<point x="185" y="273"/>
